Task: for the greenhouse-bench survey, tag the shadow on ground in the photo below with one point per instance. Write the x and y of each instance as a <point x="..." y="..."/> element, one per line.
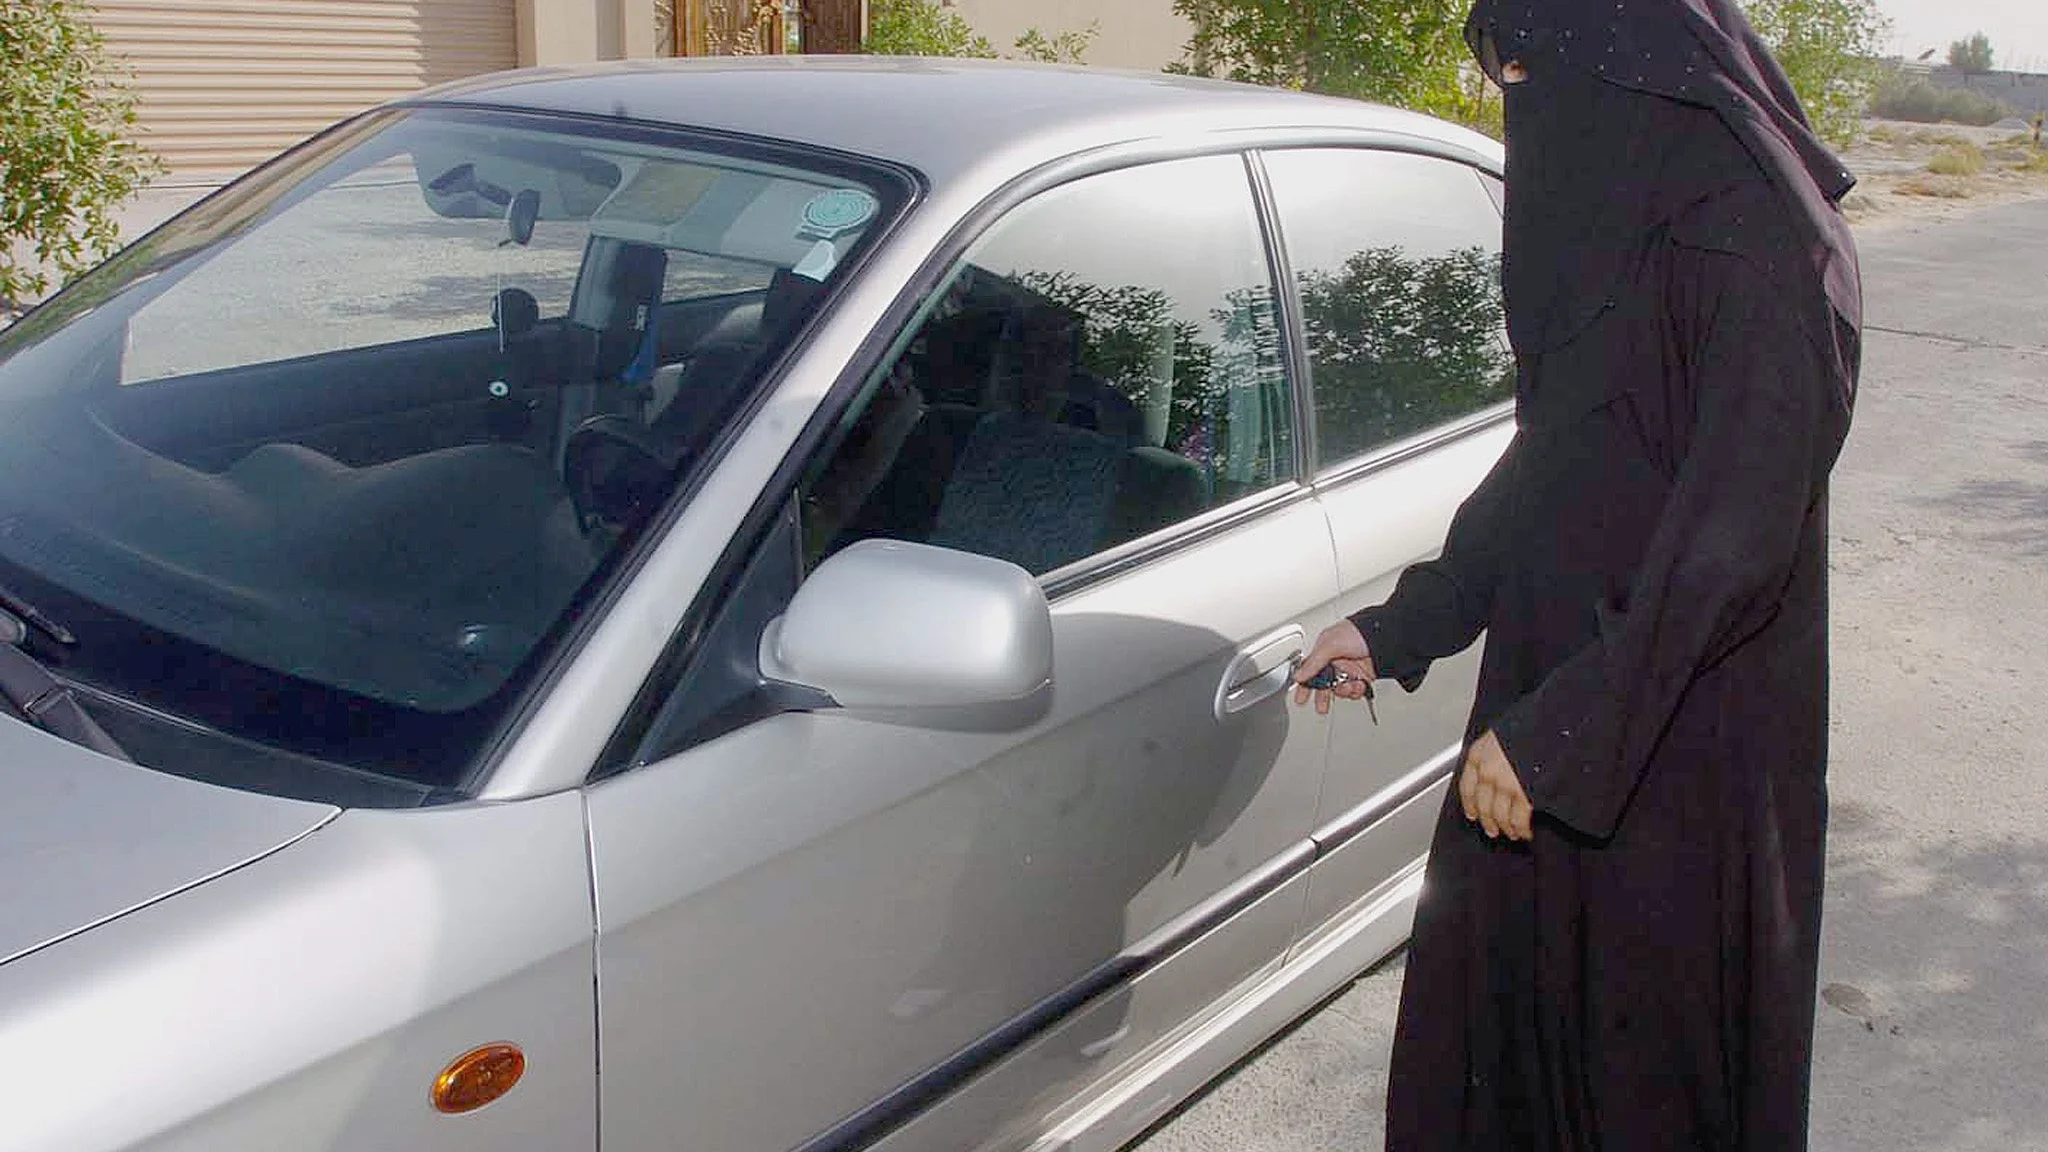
<point x="1934" y="971"/>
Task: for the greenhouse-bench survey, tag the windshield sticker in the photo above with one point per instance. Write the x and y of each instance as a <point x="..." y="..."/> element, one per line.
<point x="819" y="262"/>
<point x="833" y="214"/>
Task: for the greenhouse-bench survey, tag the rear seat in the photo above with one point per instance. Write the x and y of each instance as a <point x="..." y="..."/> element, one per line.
<point x="1004" y="478"/>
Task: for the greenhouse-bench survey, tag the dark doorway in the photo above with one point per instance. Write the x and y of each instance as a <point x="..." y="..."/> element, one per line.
<point x="832" y="27"/>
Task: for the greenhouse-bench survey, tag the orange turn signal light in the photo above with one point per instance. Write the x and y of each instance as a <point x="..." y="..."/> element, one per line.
<point x="478" y="1077"/>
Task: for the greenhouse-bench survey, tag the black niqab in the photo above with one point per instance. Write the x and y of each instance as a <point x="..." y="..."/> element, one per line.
<point x="1599" y="168"/>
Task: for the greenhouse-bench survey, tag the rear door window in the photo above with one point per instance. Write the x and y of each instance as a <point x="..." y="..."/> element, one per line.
<point x="1397" y="262"/>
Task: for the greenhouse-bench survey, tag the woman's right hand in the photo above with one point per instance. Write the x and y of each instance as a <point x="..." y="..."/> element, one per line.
<point x="1340" y="646"/>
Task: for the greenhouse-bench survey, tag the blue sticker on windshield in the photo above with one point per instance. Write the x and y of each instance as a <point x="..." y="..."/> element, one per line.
<point x="833" y="214"/>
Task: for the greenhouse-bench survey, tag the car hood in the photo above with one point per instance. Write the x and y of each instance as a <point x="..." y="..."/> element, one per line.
<point x="84" y="838"/>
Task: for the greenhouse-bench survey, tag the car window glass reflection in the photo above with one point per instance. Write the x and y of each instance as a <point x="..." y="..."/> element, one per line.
<point x="1104" y="364"/>
<point x="1397" y="260"/>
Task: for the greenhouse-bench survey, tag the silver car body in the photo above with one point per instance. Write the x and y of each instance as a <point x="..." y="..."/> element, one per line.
<point x="1039" y="925"/>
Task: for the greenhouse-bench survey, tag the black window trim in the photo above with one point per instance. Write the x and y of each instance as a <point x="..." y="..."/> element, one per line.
<point x="1287" y="309"/>
<point x="623" y="751"/>
<point x="1398" y="452"/>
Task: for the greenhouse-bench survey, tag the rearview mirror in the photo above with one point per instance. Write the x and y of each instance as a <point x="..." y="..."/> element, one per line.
<point x="886" y="624"/>
<point x="521" y="217"/>
<point x="471" y="184"/>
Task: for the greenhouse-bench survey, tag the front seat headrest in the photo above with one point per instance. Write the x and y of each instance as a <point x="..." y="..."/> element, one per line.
<point x="789" y="296"/>
<point x="631" y="294"/>
<point x="1035" y="361"/>
<point x="515" y="312"/>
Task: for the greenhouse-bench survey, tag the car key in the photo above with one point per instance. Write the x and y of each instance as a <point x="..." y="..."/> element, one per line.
<point x="1330" y="677"/>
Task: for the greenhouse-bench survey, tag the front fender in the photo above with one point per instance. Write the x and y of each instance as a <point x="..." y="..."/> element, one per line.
<point x="309" y="1000"/>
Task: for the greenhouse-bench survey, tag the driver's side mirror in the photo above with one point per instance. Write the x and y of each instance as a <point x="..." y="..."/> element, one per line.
<point x="892" y="625"/>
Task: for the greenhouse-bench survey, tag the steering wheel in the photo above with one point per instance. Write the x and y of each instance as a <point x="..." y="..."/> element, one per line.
<point x="616" y="472"/>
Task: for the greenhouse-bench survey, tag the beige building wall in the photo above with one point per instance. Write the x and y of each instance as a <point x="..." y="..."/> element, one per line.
<point x="579" y="31"/>
<point x="223" y="84"/>
<point x="1131" y="33"/>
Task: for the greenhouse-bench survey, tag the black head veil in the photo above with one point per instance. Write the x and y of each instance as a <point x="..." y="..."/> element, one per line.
<point x="1634" y="111"/>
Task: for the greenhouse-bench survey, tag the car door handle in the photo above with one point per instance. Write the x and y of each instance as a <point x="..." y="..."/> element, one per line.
<point x="1260" y="670"/>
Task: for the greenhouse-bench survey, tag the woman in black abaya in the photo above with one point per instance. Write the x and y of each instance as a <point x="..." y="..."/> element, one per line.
<point x="1616" y="942"/>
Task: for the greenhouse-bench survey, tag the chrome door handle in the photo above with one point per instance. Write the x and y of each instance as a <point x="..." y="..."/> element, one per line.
<point x="1261" y="670"/>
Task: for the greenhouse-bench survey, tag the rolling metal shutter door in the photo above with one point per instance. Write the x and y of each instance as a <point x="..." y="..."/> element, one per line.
<point x="227" y="83"/>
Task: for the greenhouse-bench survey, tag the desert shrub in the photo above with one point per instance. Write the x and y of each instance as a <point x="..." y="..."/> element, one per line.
<point x="1902" y="97"/>
<point x="1958" y="160"/>
<point x="1938" y="187"/>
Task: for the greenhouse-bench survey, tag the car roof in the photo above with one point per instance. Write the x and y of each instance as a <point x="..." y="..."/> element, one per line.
<point x="942" y="117"/>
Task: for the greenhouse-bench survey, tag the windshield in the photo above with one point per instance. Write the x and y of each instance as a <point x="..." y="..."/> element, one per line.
<point x="316" y="471"/>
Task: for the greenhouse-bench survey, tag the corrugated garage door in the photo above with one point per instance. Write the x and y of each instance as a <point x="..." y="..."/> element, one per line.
<point x="227" y="83"/>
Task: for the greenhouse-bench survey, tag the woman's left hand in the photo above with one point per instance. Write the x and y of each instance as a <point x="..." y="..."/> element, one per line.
<point x="1492" y="794"/>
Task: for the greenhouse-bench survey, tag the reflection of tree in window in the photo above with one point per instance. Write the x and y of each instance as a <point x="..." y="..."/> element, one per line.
<point x="1402" y="343"/>
<point x="1220" y="404"/>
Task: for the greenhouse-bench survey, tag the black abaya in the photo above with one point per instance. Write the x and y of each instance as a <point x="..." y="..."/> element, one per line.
<point x="1648" y="563"/>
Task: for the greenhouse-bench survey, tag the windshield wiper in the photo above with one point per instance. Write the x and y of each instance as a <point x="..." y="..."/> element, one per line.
<point x="29" y="690"/>
<point x="27" y="613"/>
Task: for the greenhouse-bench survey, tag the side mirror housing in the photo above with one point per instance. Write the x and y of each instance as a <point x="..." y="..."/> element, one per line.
<point x="892" y="625"/>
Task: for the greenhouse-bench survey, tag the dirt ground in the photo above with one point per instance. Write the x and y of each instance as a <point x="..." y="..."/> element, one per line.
<point x="1923" y="172"/>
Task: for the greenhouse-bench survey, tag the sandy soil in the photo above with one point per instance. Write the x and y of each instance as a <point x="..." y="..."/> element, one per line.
<point x="1896" y="187"/>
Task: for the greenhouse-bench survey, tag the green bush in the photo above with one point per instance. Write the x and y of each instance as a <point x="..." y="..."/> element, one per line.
<point x="1902" y="97"/>
<point x="921" y="28"/>
<point x="1066" y="48"/>
<point x="66" y="158"/>
<point x="1409" y="53"/>
<point x="1829" y="50"/>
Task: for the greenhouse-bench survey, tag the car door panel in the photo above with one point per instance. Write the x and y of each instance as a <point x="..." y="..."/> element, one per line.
<point x="842" y="904"/>
<point x="1065" y="1075"/>
<point x="870" y="910"/>
<point x="1382" y="522"/>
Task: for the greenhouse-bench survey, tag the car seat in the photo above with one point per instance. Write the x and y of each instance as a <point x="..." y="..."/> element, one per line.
<point x="1034" y="489"/>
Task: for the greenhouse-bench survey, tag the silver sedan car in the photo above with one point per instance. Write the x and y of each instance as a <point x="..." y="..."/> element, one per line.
<point x="739" y="608"/>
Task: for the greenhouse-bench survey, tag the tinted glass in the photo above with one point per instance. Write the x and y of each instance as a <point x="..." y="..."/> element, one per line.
<point x="309" y="469"/>
<point x="1103" y="364"/>
<point x="1397" y="259"/>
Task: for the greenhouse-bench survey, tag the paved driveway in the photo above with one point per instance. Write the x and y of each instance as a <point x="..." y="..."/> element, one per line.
<point x="1935" y="959"/>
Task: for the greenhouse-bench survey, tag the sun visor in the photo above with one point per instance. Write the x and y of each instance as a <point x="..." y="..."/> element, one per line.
<point x="741" y="215"/>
